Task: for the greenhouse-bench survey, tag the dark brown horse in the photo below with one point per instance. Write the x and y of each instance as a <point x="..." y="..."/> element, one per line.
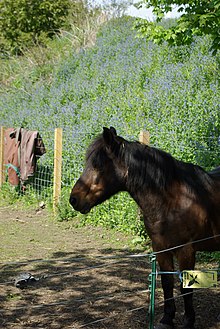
<point x="180" y="203"/>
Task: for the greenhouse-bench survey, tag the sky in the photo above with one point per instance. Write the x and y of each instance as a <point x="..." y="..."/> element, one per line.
<point x="147" y="13"/>
<point x="143" y="12"/>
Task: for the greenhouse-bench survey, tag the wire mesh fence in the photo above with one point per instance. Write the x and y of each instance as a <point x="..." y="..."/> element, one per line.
<point x="71" y="150"/>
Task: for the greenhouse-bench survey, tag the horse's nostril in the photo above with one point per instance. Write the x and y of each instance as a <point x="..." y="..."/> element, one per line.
<point x="73" y="201"/>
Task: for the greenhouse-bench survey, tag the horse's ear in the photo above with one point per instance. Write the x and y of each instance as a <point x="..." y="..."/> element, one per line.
<point x="109" y="135"/>
<point x="113" y="130"/>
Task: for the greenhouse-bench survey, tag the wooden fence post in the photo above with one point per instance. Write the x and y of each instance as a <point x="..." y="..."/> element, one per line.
<point x="2" y="172"/>
<point x="144" y="137"/>
<point x="57" y="167"/>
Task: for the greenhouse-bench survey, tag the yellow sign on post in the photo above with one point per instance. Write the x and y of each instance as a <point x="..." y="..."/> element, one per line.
<point x="199" y="279"/>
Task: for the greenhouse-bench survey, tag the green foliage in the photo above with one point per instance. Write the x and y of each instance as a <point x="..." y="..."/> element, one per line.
<point x="11" y="195"/>
<point x="197" y="18"/>
<point x="208" y="257"/>
<point x="41" y="61"/>
<point x="115" y="8"/>
<point x="24" y="23"/>
<point x="64" y="211"/>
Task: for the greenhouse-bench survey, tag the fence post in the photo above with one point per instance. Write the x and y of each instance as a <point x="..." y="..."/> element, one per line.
<point x="2" y="173"/>
<point x="144" y="137"/>
<point x="57" y="166"/>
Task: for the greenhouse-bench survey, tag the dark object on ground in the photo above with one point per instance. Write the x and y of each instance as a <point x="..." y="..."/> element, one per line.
<point x="25" y="279"/>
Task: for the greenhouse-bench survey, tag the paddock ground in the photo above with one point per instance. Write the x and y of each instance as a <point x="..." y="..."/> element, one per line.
<point x="81" y="284"/>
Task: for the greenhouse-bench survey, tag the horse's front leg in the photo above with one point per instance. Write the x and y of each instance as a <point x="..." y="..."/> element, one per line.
<point x="165" y="261"/>
<point x="186" y="259"/>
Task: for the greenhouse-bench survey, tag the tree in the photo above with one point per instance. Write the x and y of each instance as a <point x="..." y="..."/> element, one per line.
<point x="115" y="8"/>
<point x="26" y="22"/>
<point x="198" y="17"/>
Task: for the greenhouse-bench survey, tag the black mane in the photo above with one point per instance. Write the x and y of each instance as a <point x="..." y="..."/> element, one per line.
<point x="149" y="167"/>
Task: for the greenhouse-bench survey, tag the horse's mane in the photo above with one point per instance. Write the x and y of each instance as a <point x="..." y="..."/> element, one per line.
<point x="158" y="170"/>
<point x="96" y="153"/>
<point x="150" y="167"/>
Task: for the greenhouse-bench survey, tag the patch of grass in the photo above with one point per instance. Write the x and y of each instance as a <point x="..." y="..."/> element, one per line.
<point x="13" y="196"/>
<point x="208" y="257"/>
<point x="13" y="297"/>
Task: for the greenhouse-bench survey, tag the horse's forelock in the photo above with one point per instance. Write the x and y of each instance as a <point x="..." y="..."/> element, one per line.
<point x="95" y="152"/>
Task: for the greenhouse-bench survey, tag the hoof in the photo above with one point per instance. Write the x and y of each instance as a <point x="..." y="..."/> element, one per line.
<point x="163" y="326"/>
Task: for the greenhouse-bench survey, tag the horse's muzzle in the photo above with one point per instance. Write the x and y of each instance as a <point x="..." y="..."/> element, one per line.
<point x="73" y="201"/>
<point x="84" y="208"/>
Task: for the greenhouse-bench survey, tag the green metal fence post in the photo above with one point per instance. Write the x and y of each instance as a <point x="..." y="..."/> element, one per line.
<point x="152" y="288"/>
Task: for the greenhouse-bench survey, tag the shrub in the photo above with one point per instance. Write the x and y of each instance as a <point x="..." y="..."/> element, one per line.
<point x="24" y="23"/>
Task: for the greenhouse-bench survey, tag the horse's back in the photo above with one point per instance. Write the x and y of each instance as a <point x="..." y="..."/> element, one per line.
<point x="215" y="173"/>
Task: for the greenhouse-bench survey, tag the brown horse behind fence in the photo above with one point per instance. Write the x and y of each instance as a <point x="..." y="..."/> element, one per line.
<point x="180" y="204"/>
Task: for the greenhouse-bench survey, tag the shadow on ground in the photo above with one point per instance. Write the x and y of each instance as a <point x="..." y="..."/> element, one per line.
<point x="76" y="290"/>
<point x="85" y="278"/>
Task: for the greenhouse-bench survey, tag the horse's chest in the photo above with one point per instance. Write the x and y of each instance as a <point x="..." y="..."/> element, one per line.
<point x="176" y="219"/>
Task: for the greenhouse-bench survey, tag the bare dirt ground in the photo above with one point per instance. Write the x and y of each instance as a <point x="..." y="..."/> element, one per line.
<point x="81" y="283"/>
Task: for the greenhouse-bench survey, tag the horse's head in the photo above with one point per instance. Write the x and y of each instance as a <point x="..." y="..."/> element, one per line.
<point x="102" y="176"/>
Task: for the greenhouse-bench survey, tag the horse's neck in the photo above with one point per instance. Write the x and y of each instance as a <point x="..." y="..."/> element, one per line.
<point x="148" y="201"/>
<point x="148" y="184"/>
<point x="145" y="180"/>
